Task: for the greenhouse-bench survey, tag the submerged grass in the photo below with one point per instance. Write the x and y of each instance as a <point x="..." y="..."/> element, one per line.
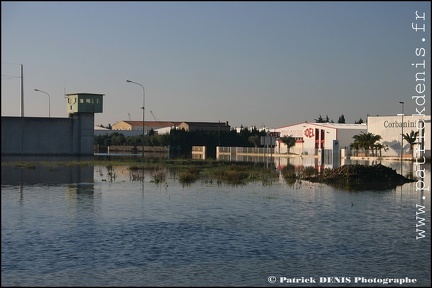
<point x="189" y="175"/>
<point x="187" y="170"/>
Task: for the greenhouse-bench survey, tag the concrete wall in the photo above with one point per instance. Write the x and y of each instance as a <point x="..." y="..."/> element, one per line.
<point x="48" y="136"/>
<point x="390" y="129"/>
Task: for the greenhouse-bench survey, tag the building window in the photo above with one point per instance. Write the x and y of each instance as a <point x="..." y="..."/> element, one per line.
<point x="81" y="101"/>
<point x="71" y="107"/>
<point x="87" y="100"/>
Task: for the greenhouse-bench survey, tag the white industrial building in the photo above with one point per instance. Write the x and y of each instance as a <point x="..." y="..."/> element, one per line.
<point x="390" y="129"/>
<point x="313" y="137"/>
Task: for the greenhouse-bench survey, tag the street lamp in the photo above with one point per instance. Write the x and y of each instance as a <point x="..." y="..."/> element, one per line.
<point x="142" y="107"/>
<point x="49" y="104"/>
<point x="402" y="124"/>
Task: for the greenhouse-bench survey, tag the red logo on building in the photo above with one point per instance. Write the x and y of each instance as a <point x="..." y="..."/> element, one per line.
<point x="309" y="132"/>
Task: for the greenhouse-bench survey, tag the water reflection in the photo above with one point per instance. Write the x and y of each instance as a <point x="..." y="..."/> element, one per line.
<point x="409" y="168"/>
<point x="77" y="180"/>
<point x="64" y="174"/>
<point x="31" y="175"/>
<point x="103" y="233"/>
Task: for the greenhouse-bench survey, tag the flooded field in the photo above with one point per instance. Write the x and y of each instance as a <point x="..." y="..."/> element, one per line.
<point x="115" y="226"/>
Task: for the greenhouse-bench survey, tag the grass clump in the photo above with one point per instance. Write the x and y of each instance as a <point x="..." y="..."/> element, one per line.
<point x="159" y="176"/>
<point x="232" y="174"/>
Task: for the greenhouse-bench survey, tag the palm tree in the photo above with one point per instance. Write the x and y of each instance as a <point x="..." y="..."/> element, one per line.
<point x="379" y="147"/>
<point x="411" y="138"/>
<point x="355" y="146"/>
<point x="366" y="140"/>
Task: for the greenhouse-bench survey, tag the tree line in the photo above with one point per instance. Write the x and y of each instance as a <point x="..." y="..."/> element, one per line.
<point x="180" y="141"/>
<point x="341" y="119"/>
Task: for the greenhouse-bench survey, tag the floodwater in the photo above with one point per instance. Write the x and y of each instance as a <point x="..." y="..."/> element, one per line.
<point x="103" y="226"/>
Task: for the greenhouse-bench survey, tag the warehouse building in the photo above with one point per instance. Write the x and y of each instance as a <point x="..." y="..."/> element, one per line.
<point x="132" y="128"/>
<point x="313" y="137"/>
<point x="391" y="129"/>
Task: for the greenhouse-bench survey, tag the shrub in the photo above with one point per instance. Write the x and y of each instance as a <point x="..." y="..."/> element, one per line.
<point x="309" y="171"/>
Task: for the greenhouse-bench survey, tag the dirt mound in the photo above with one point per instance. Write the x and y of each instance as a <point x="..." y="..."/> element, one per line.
<point x="363" y="176"/>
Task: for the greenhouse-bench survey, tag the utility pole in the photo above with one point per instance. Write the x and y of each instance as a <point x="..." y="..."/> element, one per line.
<point x="22" y="92"/>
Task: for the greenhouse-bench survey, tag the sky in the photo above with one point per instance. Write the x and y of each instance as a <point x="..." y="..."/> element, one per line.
<point x="259" y="64"/>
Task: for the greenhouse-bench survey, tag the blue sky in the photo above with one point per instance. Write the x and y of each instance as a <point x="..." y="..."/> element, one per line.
<point x="249" y="63"/>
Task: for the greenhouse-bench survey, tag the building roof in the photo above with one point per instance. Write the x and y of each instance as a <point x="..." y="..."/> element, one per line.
<point x="342" y="125"/>
<point x="216" y="124"/>
<point x="96" y="127"/>
<point x="97" y="94"/>
<point x="329" y="125"/>
<point x="152" y="123"/>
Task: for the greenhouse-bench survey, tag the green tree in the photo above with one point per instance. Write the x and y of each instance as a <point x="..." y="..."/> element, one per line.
<point x="289" y="141"/>
<point x="379" y="147"/>
<point x="108" y="142"/>
<point x="131" y="141"/>
<point x="411" y="138"/>
<point x="319" y="120"/>
<point x="151" y="132"/>
<point x="365" y="141"/>
<point x="360" y="121"/>
<point x="341" y="119"/>
<point x="118" y="139"/>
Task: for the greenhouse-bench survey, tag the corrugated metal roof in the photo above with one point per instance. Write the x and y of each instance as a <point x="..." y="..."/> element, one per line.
<point x="206" y="123"/>
<point x="152" y="123"/>
<point x="329" y="125"/>
<point x="341" y="125"/>
<point x="100" y="128"/>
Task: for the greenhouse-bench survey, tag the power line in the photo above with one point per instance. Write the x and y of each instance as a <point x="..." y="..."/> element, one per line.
<point x="9" y="77"/>
<point x="11" y="63"/>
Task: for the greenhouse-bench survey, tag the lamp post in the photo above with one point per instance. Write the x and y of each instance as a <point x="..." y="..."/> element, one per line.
<point x="49" y="104"/>
<point x="402" y="124"/>
<point x="142" y="107"/>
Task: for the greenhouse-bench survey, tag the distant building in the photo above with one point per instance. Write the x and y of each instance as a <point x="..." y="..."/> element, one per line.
<point x="163" y="127"/>
<point x="129" y="128"/>
<point x="266" y="129"/>
<point x="390" y="129"/>
<point x="206" y="126"/>
<point x="98" y="130"/>
<point x="311" y="137"/>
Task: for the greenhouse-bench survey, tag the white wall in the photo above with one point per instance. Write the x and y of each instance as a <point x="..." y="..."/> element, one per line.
<point x="390" y="129"/>
<point x="332" y="132"/>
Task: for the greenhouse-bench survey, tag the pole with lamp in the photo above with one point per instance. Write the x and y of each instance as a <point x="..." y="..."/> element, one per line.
<point x="402" y="124"/>
<point x="143" y="109"/>
<point x="49" y="104"/>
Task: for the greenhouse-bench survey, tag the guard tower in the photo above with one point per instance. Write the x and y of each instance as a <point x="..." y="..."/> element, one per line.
<point x="84" y="103"/>
<point x="81" y="108"/>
